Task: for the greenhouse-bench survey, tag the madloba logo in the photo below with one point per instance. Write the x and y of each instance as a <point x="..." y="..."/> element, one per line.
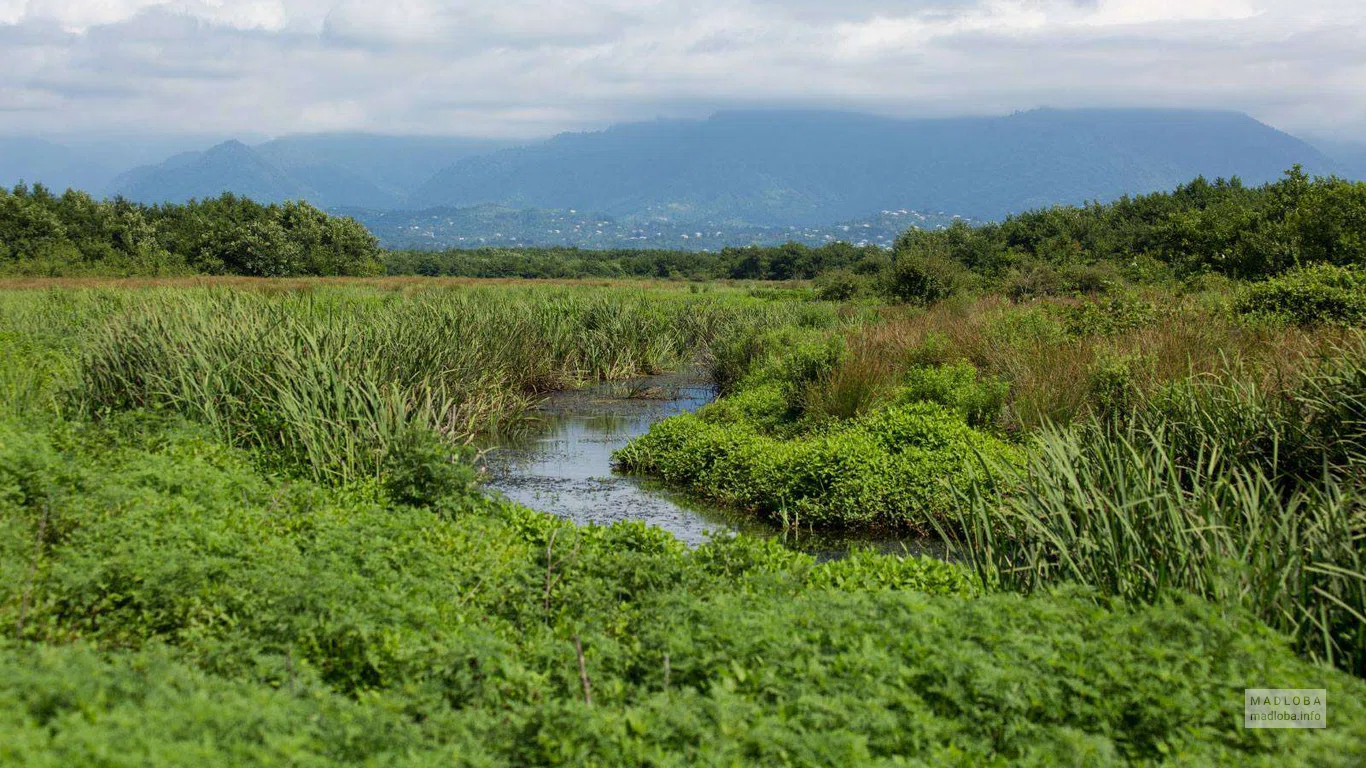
<point x="1285" y="708"/>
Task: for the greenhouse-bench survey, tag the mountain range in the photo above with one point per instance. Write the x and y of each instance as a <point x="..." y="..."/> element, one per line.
<point x="812" y="167"/>
<point x="328" y="170"/>
<point x="737" y="170"/>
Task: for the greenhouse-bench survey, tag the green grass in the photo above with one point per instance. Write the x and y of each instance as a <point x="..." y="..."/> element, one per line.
<point x="236" y="527"/>
<point x="331" y="380"/>
<point x="1212" y="488"/>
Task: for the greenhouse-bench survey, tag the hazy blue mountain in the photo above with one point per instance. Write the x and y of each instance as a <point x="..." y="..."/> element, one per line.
<point x="332" y="170"/>
<point x="88" y="163"/>
<point x="733" y="172"/>
<point x="1350" y="156"/>
<point x="394" y="164"/>
<point x="228" y="167"/>
<point x="57" y="166"/>
<point x="800" y="168"/>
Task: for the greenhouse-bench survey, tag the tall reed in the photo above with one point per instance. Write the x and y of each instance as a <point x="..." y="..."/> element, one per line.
<point x="1218" y="490"/>
<point x="328" y="380"/>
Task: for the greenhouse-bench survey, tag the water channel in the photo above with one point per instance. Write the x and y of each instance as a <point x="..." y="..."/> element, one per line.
<point x="563" y="467"/>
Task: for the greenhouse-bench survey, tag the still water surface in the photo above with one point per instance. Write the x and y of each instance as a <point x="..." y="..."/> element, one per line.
<point x="564" y="467"/>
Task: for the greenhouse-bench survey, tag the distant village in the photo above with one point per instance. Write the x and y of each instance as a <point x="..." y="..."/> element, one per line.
<point x="499" y="226"/>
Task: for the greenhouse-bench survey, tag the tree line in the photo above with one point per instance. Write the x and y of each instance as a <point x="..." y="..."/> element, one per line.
<point x="43" y="233"/>
<point x="1218" y="227"/>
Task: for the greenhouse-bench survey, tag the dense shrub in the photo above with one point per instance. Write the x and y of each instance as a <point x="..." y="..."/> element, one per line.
<point x="1036" y="279"/>
<point x="1318" y="295"/>
<point x="1107" y="317"/>
<point x="421" y="469"/>
<point x="957" y="386"/>
<point x="924" y="277"/>
<point x="841" y="285"/>
<point x="893" y="468"/>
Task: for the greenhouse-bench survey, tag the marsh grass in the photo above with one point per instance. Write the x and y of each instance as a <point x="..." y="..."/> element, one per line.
<point x="1051" y="361"/>
<point x="1215" y="487"/>
<point x="326" y="381"/>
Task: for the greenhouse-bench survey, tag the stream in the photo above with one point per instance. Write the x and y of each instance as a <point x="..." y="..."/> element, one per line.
<point x="563" y="467"/>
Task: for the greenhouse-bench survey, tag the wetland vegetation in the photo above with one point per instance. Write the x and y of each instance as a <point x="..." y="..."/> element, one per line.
<point x="241" y="520"/>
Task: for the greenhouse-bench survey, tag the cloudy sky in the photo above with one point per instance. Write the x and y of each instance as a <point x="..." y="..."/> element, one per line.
<point x="524" y="68"/>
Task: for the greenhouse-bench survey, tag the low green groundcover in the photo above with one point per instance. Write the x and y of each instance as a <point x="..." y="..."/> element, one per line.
<point x="165" y="603"/>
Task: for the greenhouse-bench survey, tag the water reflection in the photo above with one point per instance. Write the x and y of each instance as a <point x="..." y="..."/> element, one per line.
<point x="564" y="468"/>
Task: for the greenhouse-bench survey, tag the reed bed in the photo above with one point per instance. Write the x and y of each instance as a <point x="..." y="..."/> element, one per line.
<point x="1057" y="360"/>
<point x="1215" y="487"/>
<point x="330" y="380"/>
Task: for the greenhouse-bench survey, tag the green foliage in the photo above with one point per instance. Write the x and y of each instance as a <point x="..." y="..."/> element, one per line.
<point x="1221" y="227"/>
<point x="1312" y="430"/>
<point x="1108" y="317"/>
<point x="169" y="598"/>
<point x="1112" y="387"/>
<point x="866" y="570"/>
<point x="842" y="285"/>
<point x="1318" y="295"/>
<point x="958" y="387"/>
<point x="790" y="261"/>
<point x="1219" y="489"/>
<point x="1039" y="278"/>
<point x="1119" y="513"/>
<point x="331" y="383"/>
<point x="421" y="469"/>
<point x="784" y="354"/>
<point x="73" y="234"/>
<point x="894" y="468"/>
<point x="180" y="608"/>
<point x="925" y="276"/>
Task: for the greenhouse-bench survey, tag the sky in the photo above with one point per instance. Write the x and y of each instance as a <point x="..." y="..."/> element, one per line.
<point x="530" y="68"/>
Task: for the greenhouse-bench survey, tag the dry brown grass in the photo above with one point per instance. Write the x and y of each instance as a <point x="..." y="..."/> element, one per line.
<point x="291" y="283"/>
<point x="1052" y="373"/>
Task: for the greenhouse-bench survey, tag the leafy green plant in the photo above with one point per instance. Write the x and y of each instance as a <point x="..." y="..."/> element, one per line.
<point x="422" y="470"/>
<point x="1107" y="317"/>
<point x="892" y="468"/>
<point x="925" y="277"/>
<point x="957" y="386"/>
<point x="1317" y="295"/>
<point x="841" y="285"/>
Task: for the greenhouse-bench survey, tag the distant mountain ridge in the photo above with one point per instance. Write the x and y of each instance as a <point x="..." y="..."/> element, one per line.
<point x="329" y="170"/>
<point x="230" y="166"/>
<point x="810" y="167"/>
<point x="736" y="171"/>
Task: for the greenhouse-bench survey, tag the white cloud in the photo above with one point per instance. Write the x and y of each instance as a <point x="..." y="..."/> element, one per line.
<point x="522" y="67"/>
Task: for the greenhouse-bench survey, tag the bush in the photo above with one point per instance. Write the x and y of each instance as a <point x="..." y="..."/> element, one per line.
<point x="925" y="277"/>
<point x="957" y="387"/>
<point x="841" y="285"/>
<point x="1112" y="387"/>
<point x="1318" y="295"/>
<point x="894" y="468"/>
<point x="422" y="469"/>
<point x="1108" y="317"/>
<point x="1035" y="279"/>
